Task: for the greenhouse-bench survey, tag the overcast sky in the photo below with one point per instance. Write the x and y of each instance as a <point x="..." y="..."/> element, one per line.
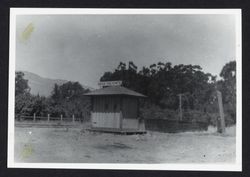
<point x="82" y="47"/>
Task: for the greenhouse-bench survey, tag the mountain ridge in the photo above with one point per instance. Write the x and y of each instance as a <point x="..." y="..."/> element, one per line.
<point x="44" y="86"/>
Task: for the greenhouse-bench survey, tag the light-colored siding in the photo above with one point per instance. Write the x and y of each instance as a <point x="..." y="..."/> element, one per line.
<point x="105" y="120"/>
<point x="115" y="112"/>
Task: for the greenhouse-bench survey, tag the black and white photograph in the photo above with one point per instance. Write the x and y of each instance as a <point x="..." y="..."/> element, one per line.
<point x="144" y="89"/>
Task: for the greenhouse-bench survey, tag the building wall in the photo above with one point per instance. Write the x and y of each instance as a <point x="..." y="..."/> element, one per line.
<point x="106" y="112"/>
<point x="130" y="107"/>
<point x="105" y="120"/>
<point x="106" y="104"/>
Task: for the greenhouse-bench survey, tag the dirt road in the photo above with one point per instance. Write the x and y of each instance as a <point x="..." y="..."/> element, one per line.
<point x="74" y="145"/>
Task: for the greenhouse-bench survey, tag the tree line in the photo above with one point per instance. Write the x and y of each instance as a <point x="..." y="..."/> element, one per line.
<point x="66" y="99"/>
<point x="161" y="82"/>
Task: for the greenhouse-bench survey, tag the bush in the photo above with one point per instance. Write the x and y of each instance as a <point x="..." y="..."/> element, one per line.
<point x="155" y="112"/>
<point x="195" y="116"/>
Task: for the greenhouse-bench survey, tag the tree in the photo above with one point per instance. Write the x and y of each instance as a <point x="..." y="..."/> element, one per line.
<point x="228" y="72"/>
<point x="228" y="88"/>
<point x="162" y="82"/>
<point x="40" y="105"/>
<point x="21" y="85"/>
<point x="23" y="105"/>
<point x="23" y="99"/>
<point x="55" y="95"/>
<point x="68" y="99"/>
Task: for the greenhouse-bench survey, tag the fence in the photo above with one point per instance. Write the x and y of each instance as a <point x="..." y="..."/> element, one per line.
<point x="35" y="118"/>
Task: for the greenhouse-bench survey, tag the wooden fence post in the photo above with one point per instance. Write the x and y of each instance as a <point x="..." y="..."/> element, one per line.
<point x="34" y="117"/>
<point x="48" y="117"/>
<point x="221" y="128"/>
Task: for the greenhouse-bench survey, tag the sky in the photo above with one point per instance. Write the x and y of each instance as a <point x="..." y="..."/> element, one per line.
<point x="82" y="47"/>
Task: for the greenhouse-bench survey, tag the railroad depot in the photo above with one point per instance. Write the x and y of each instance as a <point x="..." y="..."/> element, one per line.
<point x="115" y="108"/>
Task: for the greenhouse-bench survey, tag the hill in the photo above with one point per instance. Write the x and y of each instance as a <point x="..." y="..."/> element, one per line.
<point x="43" y="86"/>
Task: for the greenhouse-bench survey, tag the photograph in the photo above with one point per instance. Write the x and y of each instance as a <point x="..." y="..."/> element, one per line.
<point x="146" y="89"/>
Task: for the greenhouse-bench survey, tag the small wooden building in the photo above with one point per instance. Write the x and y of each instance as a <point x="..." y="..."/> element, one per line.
<point x="116" y="109"/>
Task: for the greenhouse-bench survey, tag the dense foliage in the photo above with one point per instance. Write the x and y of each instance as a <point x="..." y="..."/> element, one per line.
<point x="228" y="87"/>
<point x="66" y="99"/>
<point x="161" y="82"/>
<point x="22" y="96"/>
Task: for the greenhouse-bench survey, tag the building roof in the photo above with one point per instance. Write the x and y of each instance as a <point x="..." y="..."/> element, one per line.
<point x="114" y="90"/>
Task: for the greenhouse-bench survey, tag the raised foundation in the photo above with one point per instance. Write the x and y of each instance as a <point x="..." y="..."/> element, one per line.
<point x="118" y="131"/>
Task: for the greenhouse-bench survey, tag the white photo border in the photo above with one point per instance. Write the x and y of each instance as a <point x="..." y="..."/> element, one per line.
<point x="237" y="166"/>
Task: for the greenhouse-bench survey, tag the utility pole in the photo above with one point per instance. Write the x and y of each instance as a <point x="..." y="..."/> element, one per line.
<point x="180" y="106"/>
<point x="221" y="126"/>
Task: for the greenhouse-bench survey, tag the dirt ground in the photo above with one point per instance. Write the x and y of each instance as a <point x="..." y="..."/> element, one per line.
<point x="77" y="145"/>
